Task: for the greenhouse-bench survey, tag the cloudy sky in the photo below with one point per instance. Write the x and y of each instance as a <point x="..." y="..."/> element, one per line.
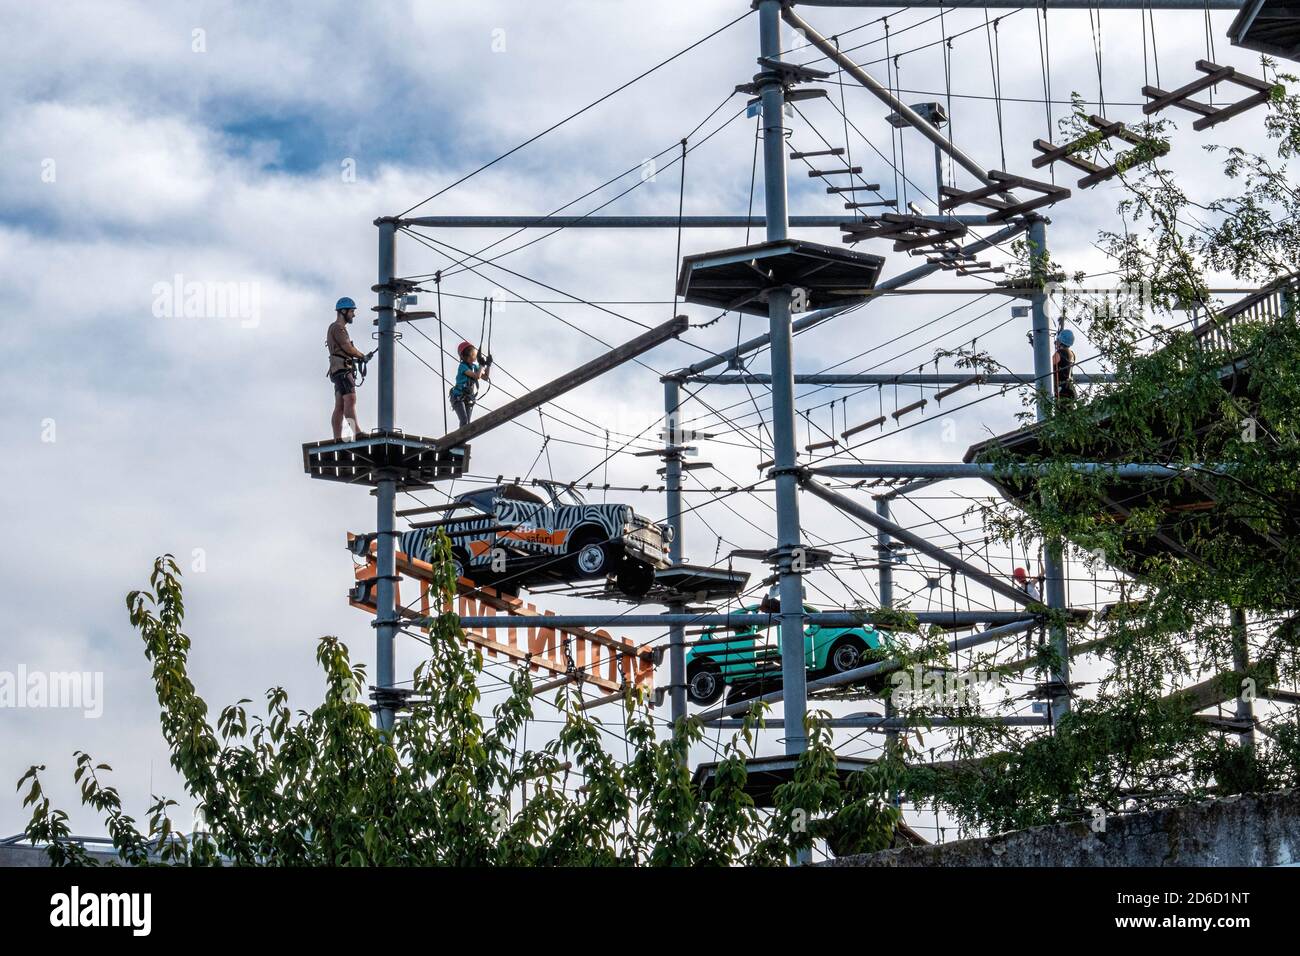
<point x="144" y="145"/>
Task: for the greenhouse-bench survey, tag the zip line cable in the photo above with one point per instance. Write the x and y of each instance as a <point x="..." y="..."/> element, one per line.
<point x="572" y="116"/>
<point x="459" y="265"/>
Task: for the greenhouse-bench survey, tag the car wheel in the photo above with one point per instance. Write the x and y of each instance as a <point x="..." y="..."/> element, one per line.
<point x="635" y="578"/>
<point x="844" y="656"/>
<point x="704" y="683"/>
<point x="591" y="560"/>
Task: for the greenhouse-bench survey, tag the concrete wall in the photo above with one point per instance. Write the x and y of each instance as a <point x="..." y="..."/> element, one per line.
<point x="11" y="855"/>
<point x="1260" y="829"/>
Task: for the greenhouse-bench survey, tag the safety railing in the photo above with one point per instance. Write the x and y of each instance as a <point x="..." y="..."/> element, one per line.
<point x="1276" y="302"/>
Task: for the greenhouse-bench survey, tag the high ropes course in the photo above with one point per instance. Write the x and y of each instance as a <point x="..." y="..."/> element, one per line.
<point x="805" y="616"/>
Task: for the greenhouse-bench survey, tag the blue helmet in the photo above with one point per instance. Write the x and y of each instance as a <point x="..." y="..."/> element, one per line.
<point x="344" y="303"/>
<point x="1065" y="337"/>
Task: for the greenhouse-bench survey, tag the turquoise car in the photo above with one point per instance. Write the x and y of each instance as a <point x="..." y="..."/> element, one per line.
<point x="747" y="659"/>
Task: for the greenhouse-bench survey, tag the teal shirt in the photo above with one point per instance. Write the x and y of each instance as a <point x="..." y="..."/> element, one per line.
<point x="464" y="384"/>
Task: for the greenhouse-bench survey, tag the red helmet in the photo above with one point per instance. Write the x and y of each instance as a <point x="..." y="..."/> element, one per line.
<point x="460" y="349"/>
<point x="1020" y="574"/>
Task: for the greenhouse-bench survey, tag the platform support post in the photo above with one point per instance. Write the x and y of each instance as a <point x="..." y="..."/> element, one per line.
<point x="788" y="555"/>
<point x="1240" y="663"/>
<point x="1053" y="558"/>
<point x="886" y="588"/>
<point x="386" y="491"/>
<point x="673" y="490"/>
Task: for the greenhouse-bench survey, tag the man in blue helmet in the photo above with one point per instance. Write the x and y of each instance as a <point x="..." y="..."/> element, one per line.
<point x="1063" y="362"/>
<point x="343" y="358"/>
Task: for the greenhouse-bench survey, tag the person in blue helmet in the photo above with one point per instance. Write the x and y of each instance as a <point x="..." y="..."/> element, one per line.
<point x="1063" y="362"/>
<point x="342" y="372"/>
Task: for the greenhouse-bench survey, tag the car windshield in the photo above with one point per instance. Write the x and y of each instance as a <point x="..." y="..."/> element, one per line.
<point x="563" y="494"/>
<point x="482" y="499"/>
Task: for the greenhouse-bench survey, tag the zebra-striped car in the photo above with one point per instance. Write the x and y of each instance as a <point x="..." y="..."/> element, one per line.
<point x="519" y="538"/>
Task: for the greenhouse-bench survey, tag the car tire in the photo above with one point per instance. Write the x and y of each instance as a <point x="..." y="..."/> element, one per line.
<point x="459" y="563"/>
<point x="704" y="683"/>
<point x="635" y="578"/>
<point x="846" y="654"/>
<point x="590" y="558"/>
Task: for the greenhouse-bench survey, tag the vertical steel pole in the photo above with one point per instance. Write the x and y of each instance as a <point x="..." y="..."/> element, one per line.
<point x="886" y="559"/>
<point x="1240" y="662"/>
<point x="673" y="488"/>
<point x="887" y="601"/>
<point x="938" y="178"/>
<point x="1053" y="562"/>
<point x="386" y="492"/>
<point x="790" y="587"/>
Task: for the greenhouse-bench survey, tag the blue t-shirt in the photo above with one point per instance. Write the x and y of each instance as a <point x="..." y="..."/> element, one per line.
<point x="464" y="384"/>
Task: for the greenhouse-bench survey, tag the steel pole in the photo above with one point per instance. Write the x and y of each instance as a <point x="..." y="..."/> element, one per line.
<point x="1053" y="560"/>
<point x="784" y="454"/>
<point x="673" y="490"/>
<point x="386" y="491"/>
<point x="1240" y="663"/>
<point x="886" y="572"/>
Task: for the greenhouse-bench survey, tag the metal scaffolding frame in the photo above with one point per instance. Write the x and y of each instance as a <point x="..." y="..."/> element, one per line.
<point x="771" y="86"/>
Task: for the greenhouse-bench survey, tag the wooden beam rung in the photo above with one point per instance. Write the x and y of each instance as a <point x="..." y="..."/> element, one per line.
<point x="431" y="509"/>
<point x="863" y="427"/>
<point x="1162" y="99"/>
<point x="951" y="389"/>
<point x="819" y="445"/>
<point x="1241" y="79"/>
<point x="1228" y="112"/>
<point x="918" y="404"/>
<point x="834" y="151"/>
<point x="846" y="171"/>
<point x="868" y="188"/>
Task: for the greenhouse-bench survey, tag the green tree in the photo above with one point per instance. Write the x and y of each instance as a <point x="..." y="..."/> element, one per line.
<point x="449" y="786"/>
<point x="1219" y="398"/>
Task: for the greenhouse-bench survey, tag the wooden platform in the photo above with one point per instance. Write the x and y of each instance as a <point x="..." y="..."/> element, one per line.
<point x="740" y="279"/>
<point x="1177" y="500"/>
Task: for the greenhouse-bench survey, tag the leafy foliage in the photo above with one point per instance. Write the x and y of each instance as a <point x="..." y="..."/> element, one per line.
<point x="449" y="786"/>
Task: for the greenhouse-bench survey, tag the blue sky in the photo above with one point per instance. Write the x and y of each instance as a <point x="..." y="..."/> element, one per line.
<point x="224" y="165"/>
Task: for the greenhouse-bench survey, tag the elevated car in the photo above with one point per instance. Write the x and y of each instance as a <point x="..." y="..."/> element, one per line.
<point x="749" y="658"/>
<point x="518" y="537"/>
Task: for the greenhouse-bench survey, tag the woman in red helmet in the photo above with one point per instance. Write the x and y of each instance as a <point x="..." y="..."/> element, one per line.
<point x="468" y="375"/>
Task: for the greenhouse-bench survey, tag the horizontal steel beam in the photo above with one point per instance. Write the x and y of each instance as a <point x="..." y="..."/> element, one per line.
<point x="740" y="619"/>
<point x="983" y="470"/>
<point x="885" y="378"/>
<point x="871" y="670"/>
<point x="1032" y="4"/>
<point x="892" y="723"/>
<point x="650" y="222"/>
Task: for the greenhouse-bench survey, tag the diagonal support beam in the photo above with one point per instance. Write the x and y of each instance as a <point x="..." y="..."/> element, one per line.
<point x="912" y="117"/>
<point x="567" y="382"/>
<point x="913" y="540"/>
<point x="871" y="670"/>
